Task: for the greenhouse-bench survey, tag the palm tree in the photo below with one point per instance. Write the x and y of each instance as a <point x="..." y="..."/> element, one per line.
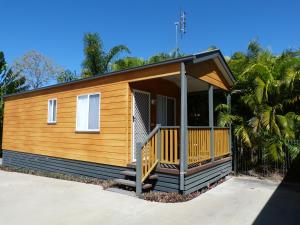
<point x="266" y="98"/>
<point x="127" y="62"/>
<point x="97" y="61"/>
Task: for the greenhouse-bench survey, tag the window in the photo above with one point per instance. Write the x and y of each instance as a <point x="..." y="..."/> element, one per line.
<point x="166" y="108"/>
<point x="88" y="112"/>
<point x="52" y="110"/>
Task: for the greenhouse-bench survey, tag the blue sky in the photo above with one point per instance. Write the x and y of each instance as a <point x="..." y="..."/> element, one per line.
<point x="55" y="28"/>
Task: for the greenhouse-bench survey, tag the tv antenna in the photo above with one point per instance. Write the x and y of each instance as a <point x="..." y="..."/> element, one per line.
<point x="180" y="27"/>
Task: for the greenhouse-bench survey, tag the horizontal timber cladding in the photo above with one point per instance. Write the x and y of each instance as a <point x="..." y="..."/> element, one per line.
<point x="205" y="177"/>
<point x="166" y="183"/>
<point x="26" y="129"/>
<point x="208" y="72"/>
<point x="59" y="165"/>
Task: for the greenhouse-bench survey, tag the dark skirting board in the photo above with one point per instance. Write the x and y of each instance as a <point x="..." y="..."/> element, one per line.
<point x="166" y="182"/>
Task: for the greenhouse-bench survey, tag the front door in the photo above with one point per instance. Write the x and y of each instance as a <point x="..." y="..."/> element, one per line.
<point x="141" y="119"/>
<point x="166" y="111"/>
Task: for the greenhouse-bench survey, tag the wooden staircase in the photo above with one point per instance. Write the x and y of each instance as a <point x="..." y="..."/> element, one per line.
<point x="147" y="158"/>
<point x="130" y="179"/>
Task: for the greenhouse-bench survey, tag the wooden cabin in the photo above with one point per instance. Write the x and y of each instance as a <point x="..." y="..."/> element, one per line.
<point x="152" y="127"/>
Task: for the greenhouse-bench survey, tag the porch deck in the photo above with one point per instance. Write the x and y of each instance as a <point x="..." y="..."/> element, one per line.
<point x="204" y="145"/>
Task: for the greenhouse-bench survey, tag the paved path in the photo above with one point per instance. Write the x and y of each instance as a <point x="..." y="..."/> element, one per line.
<point x="27" y="199"/>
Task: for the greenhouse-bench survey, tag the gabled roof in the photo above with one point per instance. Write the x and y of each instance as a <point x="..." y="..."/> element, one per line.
<point x="215" y="55"/>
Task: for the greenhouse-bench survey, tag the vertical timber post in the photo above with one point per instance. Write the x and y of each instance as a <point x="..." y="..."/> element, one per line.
<point x="232" y="150"/>
<point x="183" y="126"/>
<point x="158" y="145"/>
<point x="230" y="131"/>
<point x="138" y="181"/>
<point x="211" y="121"/>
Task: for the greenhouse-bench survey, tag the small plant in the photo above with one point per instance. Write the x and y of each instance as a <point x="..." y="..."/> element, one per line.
<point x="166" y="197"/>
<point x="173" y="197"/>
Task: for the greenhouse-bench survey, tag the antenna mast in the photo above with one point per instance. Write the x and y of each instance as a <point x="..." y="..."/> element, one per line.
<point x="180" y="29"/>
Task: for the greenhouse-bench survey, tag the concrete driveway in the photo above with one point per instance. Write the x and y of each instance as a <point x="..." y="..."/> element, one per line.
<point x="28" y="199"/>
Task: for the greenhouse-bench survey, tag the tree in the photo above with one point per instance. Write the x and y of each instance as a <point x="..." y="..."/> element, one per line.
<point x="266" y="100"/>
<point x="127" y="62"/>
<point x="10" y="83"/>
<point x="160" y="57"/>
<point x="66" y="76"/>
<point x="37" y="69"/>
<point x="97" y="61"/>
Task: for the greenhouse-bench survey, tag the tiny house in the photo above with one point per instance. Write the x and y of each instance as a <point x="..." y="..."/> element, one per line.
<point x="151" y="127"/>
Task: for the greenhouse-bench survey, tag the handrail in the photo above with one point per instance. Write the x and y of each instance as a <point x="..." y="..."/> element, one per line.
<point x="147" y="157"/>
<point x="156" y="128"/>
<point x="198" y="127"/>
<point x="206" y="127"/>
<point x="169" y="127"/>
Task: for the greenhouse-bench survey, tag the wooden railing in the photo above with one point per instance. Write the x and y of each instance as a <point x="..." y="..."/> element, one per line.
<point x="169" y="145"/>
<point x="198" y="144"/>
<point x="162" y="146"/>
<point x="221" y="141"/>
<point x="149" y="154"/>
<point x="147" y="158"/>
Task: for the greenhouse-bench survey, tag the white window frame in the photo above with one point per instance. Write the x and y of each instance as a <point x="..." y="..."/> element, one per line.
<point x="88" y="130"/>
<point x="48" y="120"/>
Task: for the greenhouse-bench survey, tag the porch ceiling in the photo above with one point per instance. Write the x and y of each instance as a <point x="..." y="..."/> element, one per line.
<point x="193" y="83"/>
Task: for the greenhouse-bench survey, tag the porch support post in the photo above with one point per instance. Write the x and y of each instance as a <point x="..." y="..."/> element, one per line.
<point x="230" y="131"/>
<point x="138" y="181"/>
<point x="211" y="121"/>
<point x="183" y="126"/>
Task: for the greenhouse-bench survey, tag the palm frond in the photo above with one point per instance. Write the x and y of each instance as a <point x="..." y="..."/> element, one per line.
<point x="242" y="134"/>
<point x="225" y="119"/>
<point x="222" y="108"/>
<point x="113" y="53"/>
<point x="274" y="150"/>
<point x="259" y="92"/>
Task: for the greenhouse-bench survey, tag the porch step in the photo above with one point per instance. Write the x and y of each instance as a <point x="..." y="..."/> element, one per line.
<point x="131" y="183"/>
<point x="131" y="173"/>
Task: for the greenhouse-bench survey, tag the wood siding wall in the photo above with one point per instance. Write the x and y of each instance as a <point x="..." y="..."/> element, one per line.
<point x="26" y="128"/>
<point x="208" y="72"/>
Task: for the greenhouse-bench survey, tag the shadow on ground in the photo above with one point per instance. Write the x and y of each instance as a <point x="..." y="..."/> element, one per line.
<point x="284" y="205"/>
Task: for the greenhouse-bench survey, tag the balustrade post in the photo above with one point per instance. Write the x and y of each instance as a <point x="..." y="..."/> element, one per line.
<point x="138" y="169"/>
<point x="230" y="131"/>
<point x="158" y="146"/>
<point x="211" y="121"/>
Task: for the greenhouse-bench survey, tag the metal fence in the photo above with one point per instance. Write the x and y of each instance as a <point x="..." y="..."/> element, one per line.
<point x="257" y="162"/>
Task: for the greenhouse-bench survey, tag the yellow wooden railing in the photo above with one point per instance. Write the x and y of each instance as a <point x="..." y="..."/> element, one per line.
<point x="198" y="144"/>
<point x="149" y="156"/>
<point x="221" y="141"/>
<point x="169" y="145"/>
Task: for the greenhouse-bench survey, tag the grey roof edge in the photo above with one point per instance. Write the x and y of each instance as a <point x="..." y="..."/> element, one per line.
<point x="170" y="61"/>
